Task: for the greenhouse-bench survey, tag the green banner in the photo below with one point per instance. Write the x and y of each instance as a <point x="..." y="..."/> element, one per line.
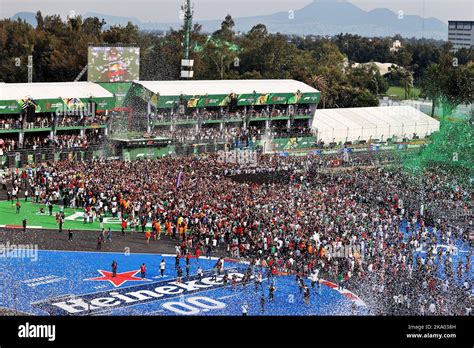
<point x="118" y="89"/>
<point x="53" y="105"/>
<point x="247" y="99"/>
<point x="9" y="107"/>
<point x="310" y="98"/>
<point x="279" y="98"/>
<point x="166" y="102"/>
<point x="49" y="105"/>
<point x="105" y="103"/>
<point x="213" y="100"/>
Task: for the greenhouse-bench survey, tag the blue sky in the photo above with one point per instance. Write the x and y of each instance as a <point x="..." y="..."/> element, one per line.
<point x="168" y="10"/>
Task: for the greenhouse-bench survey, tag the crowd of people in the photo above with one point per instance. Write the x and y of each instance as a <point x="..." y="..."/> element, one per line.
<point x="230" y="134"/>
<point x="60" y="141"/>
<point x="8" y="144"/>
<point x="379" y="232"/>
<point x="206" y="114"/>
<point x="48" y="121"/>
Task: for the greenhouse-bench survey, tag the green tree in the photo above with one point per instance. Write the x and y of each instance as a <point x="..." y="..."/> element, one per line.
<point x="448" y="84"/>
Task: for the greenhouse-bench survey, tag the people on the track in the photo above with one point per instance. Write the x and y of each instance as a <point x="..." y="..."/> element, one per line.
<point x="362" y="228"/>
<point x="179" y="273"/>
<point x="100" y="240"/>
<point x="306" y="295"/>
<point x="114" y="268"/>
<point x="262" y="303"/>
<point x="162" y="267"/>
<point x="271" y="292"/>
<point x="109" y="235"/>
<point x="245" y="309"/>
<point x="199" y="273"/>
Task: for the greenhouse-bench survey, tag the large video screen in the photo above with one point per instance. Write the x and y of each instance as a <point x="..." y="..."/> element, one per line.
<point x="113" y="64"/>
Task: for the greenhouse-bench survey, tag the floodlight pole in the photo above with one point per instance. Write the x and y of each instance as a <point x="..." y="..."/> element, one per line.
<point x="30" y="69"/>
<point x="186" y="63"/>
<point x="188" y="21"/>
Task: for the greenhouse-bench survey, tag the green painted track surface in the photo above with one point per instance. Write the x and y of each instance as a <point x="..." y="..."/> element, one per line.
<point x="30" y="211"/>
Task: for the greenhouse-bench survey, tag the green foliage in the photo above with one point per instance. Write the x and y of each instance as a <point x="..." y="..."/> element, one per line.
<point x="448" y="84"/>
<point x="59" y="49"/>
<point x="451" y="150"/>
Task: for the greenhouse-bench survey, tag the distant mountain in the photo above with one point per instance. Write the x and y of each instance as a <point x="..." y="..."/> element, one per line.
<point x="28" y="17"/>
<point x="117" y="20"/>
<point x="321" y="17"/>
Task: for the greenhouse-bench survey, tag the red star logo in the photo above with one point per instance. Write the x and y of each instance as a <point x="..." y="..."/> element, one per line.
<point x="120" y="278"/>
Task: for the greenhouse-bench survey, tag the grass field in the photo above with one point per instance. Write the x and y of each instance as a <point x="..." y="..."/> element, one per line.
<point x="31" y="211"/>
<point x="399" y="93"/>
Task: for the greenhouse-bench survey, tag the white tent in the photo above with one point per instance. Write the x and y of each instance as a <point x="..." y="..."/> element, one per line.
<point x="351" y="124"/>
<point x="225" y="87"/>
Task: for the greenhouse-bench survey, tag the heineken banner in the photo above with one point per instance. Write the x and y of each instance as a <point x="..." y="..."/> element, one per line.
<point x="104" y="103"/>
<point x="119" y="90"/>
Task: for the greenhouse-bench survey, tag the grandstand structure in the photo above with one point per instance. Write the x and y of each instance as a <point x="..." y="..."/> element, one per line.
<point x="33" y="114"/>
<point x="202" y="115"/>
<point x="150" y="119"/>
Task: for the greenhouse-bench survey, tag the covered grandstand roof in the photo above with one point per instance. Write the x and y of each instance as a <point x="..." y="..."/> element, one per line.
<point x="217" y="87"/>
<point x="214" y="93"/>
<point x="49" y="96"/>
<point x="341" y="125"/>
<point x="52" y="90"/>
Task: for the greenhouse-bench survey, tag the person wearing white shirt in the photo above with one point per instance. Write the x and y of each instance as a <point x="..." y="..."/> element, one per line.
<point x="162" y="267"/>
<point x="245" y="309"/>
<point x="432" y="308"/>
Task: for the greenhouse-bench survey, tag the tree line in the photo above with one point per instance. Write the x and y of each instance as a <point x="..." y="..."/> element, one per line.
<point x="59" y="49"/>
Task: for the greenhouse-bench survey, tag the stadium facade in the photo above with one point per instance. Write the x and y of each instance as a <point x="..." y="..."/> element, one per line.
<point x="150" y="119"/>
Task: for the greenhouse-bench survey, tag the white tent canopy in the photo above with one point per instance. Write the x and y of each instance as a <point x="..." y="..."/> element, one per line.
<point x="341" y="125"/>
<point x="225" y="87"/>
<point x="52" y="90"/>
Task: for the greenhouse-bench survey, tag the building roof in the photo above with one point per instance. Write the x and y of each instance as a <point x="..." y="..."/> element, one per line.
<point x="351" y="124"/>
<point x="225" y="87"/>
<point x="52" y="90"/>
<point x="384" y="68"/>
